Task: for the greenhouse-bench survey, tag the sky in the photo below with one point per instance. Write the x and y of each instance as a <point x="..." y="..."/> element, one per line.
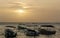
<point x="33" y="10"/>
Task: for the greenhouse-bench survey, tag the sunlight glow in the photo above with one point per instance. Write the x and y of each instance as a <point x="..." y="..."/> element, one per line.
<point x="20" y="11"/>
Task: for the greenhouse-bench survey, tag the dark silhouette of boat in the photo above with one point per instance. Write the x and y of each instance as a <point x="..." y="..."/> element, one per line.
<point x="47" y="31"/>
<point x="21" y="28"/>
<point x="30" y="32"/>
<point x="47" y="26"/>
<point x="10" y="33"/>
<point x="11" y="26"/>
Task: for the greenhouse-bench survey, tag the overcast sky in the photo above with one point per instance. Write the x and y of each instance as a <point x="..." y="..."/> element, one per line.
<point x="37" y="11"/>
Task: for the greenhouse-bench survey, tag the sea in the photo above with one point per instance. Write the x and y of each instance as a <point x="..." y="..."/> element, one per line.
<point x="34" y="26"/>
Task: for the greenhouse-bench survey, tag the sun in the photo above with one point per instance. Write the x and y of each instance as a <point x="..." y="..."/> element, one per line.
<point x="20" y="11"/>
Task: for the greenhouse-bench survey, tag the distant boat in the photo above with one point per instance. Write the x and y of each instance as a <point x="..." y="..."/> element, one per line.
<point x="47" y="26"/>
<point x="11" y="26"/>
<point x="30" y="32"/>
<point x="21" y="28"/>
<point x="47" y="30"/>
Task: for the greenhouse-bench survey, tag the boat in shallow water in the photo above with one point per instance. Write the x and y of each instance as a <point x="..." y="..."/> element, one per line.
<point x="30" y="32"/>
<point x="47" y="30"/>
<point x="21" y="28"/>
<point x="9" y="33"/>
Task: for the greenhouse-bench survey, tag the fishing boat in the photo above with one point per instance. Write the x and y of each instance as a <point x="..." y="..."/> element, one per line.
<point x="47" y="30"/>
<point x="11" y="26"/>
<point x="30" y="32"/>
<point x="21" y="28"/>
<point x="9" y="33"/>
